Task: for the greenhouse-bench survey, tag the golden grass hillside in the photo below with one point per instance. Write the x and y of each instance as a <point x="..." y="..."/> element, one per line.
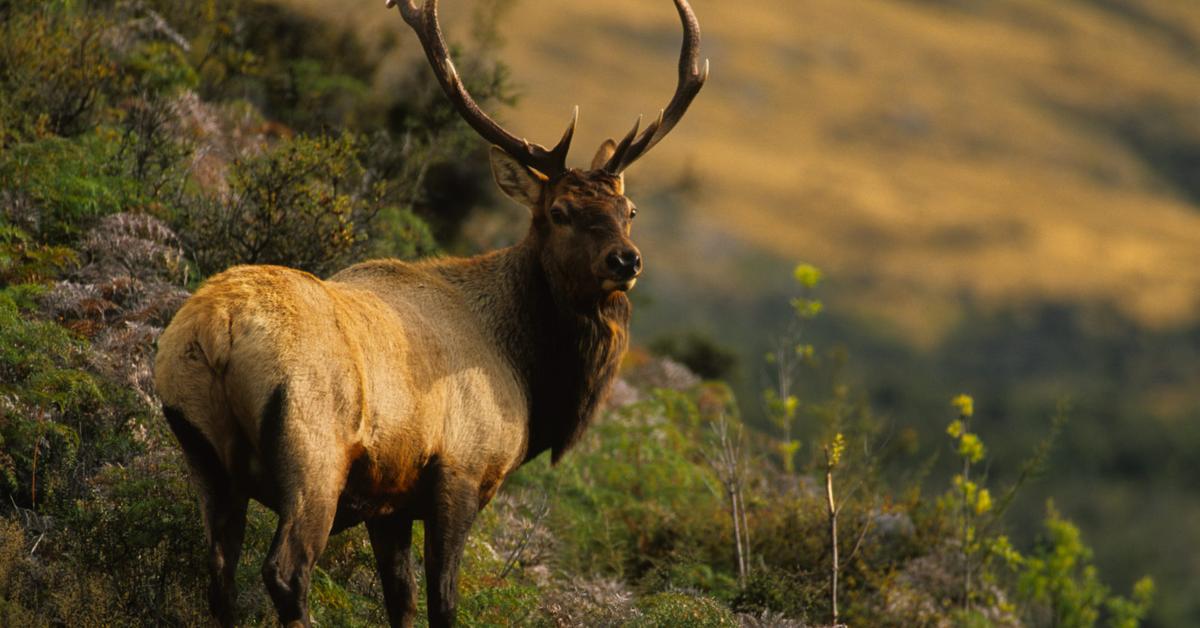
<point x="921" y="149"/>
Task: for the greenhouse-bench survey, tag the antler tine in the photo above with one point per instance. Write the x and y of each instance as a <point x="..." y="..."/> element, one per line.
<point x="563" y="146"/>
<point x="424" y="21"/>
<point x="691" y="79"/>
<point x="623" y="146"/>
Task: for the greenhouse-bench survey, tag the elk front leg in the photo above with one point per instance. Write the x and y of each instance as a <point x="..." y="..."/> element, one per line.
<point x="391" y="540"/>
<point x="456" y="502"/>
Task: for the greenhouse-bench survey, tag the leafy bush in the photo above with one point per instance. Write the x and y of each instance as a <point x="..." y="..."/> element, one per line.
<point x="24" y="260"/>
<point x="70" y="183"/>
<point x="674" y="609"/>
<point x="143" y="526"/>
<point x="55" y="69"/>
<point x="304" y="203"/>
<point x="1064" y="589"/>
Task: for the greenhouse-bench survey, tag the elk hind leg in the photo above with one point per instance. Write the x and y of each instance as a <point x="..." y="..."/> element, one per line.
<point x="307" y="481"/>
<point x="223" y="508"/>
<point x="391" y="540"/>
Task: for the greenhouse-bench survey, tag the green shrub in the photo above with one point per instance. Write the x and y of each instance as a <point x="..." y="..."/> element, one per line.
<point x="24" y="260"/>
<point x="55" y="69"/>
<point x="775" y="589"/>
<point x="160" y="67"/>
<point x="41" y="378"/>
<point x="14" y="591"/>
<point x="58" y="420"/>
<point x="145" y="545"/>
<point x="634" y="494"/>
<point x="70" y="183"/>
<point x="1062" y="587"/>
<point x="305" y="203"/>
<point x="682" y="610"/>
<point x="399" y="233"/>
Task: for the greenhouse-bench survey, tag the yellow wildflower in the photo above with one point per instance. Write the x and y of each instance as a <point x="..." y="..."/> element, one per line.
<point x="835" y="450"/>
<point x="807" y="275"/>
<point x="965" y="405"/>
<point x="970" y="447"/>
<point x="983" y="501"/>
<point x="789" y="406"/>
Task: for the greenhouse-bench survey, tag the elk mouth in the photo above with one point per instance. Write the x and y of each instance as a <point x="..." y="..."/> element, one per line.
<point x="621" y="285"/>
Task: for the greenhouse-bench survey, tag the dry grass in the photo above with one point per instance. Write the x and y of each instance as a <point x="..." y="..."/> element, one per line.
<point x="921" y="147"/>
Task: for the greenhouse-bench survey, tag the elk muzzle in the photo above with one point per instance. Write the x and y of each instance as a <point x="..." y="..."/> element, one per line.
<point x="623" y="265"/>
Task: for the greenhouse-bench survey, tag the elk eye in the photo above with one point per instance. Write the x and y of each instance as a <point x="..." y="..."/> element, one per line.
<point x="559" y="216"/>
<point x="632" y="213"/>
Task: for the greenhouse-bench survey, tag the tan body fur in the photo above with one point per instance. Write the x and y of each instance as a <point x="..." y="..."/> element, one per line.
<point x="387" y="362"/>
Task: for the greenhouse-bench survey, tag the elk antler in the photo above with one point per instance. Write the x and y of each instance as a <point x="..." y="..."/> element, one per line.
<point x="691" y="79"/>
<point x="552" y="162"/>
<point x="424" y="21"/>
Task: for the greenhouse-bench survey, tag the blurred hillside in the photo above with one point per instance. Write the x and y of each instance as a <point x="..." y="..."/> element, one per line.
<point x="1012" y="151"/>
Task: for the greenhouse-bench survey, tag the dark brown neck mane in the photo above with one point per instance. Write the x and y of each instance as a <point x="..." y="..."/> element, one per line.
<point x="566" y="355"/>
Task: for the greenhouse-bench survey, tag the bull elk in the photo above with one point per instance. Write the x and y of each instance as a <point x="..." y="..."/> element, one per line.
<point x="395" y="391"/>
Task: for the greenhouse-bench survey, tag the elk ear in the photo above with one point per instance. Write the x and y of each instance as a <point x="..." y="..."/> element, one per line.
<point x="521" y="183"/>
<point x="607" y="150"/>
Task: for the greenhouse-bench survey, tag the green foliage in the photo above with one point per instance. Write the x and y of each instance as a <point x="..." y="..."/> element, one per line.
<point x="322" y="99"/>
<point x="771" y="588"/>
<point x="643" y="469"/>
<point x="400" y="233"/>
<point x="498" y="603"/>
<point x="300" y="204"/>
<point x="40" y="372"/>
<point x="1064" y="586"/>
<point x="159" y="67"/>
<point x="670" y="609"/>
<point x="55" y="69"/>
<point x="24" y="260"/>
<point x="13" y="568"/>
<point x="70" y="183"/>
<point x="142" y="526"/>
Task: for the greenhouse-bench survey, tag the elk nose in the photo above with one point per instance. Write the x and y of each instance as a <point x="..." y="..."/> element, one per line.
<point x="625" y="264"/>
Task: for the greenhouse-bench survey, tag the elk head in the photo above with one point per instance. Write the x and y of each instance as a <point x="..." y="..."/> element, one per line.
<point x="581" y="218"/>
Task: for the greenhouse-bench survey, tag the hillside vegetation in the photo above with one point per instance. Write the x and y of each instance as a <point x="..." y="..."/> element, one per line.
<point x="146" y="145"/>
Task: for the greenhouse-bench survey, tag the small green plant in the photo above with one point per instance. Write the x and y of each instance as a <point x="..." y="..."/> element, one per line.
<point x="833" y="458"/>
<point x="1064" y="588"/>
<point x="789" y="352"/>
<point x="972" y="500"/>
<point x="70" y="183"/>
<point x="728" y="461"/>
